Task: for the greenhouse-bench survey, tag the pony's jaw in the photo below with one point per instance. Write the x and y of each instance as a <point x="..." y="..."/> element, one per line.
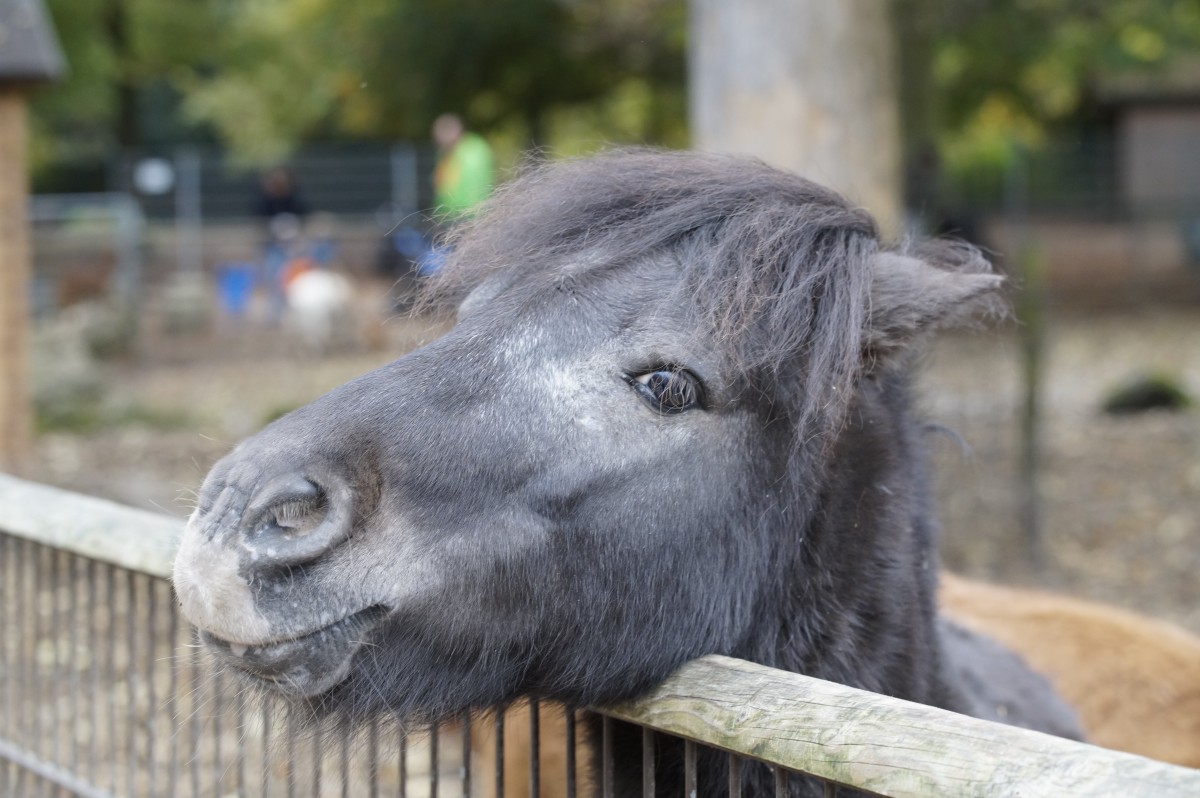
<point x="304" y="666"/>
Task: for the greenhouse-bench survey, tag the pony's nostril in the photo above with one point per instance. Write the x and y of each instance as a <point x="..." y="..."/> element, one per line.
<point x="296" y="512"/>
<point x="295" y="520"/>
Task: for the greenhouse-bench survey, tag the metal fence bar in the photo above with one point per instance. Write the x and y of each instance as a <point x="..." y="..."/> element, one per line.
<point x="689" y="768"/>
<point x="131" y="624"/>
<point x="433" y="762"/>
<point x="111" y="682"/>
<point x="466" y="754"/>
<point x="93" y="578"/>
<point x="265" y="775"/>
<point x="735" y="776"/>
<point x="171" y="707"/>
<point x="194" y="680"/>
<point x="59" y="587"/>
<point x="648" y="763"/>
<point x="239" y="722"/>
<point x="316" y="769"/>
<point x="372" y="759"/>
<point x="499" y="756"/>
<point x="606" y="752"/>
<point x="78" y="568"/>
<point x="31" y="630"/>
<point x="535" y="771"/>
<point x="781" y="783"/>
<point x="569" y="723"/>
<point x="290" y="752"/>
<point x="344" y="734"/>
<point x="402" y="764"/>
<point x="35" y="672"/>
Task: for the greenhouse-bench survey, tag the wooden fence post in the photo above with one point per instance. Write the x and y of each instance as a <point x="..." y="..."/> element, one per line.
<point x="30" y="56"/>
<point x="15" y="412"/>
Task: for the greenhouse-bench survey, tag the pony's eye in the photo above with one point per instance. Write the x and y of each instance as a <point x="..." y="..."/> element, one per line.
<point x="669" y="390"/>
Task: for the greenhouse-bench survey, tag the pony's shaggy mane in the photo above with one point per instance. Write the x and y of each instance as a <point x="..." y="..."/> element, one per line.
<point x="776" y="262"/>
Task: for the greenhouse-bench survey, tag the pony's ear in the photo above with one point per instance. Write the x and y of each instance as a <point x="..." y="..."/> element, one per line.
<point x="910" y="296"/>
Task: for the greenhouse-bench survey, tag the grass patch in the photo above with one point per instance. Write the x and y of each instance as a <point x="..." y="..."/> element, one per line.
<point x="277" y="411"/>
<point x="91" y="417"/>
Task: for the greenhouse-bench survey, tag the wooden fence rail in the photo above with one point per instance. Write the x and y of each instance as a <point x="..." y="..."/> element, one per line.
<point x="846" y="736"/>
<point x="885" y="745"/>
<point x="136" y="540"/>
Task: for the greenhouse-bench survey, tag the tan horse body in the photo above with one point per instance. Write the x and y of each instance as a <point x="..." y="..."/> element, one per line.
<point x="1134" y="681"/>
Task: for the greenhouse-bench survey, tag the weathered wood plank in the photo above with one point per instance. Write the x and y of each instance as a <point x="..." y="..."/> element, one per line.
<point x="102" y="530"/>
<point x="884" y="745"/>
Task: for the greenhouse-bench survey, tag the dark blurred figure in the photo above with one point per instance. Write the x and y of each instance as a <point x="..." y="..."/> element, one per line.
<point x="937" y="213"/>
<point x="282" y="211"/>
<point x="278" y="194"/>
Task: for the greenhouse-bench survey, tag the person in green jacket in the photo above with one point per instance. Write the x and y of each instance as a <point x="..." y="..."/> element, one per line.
<point x="463" y="176"/>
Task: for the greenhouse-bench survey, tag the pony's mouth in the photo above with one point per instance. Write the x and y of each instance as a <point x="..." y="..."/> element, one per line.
<point x="305" y="665"/>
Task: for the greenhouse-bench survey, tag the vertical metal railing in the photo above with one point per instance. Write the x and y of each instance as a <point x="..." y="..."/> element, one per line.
<point x="105" y="692"/>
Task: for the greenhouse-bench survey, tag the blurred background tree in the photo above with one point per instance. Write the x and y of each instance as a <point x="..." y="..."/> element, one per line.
<point x="979" y="77"/>
<point x="265" y="76"/>
<point x="984" y="79"/>
<point x="127" y="58"/>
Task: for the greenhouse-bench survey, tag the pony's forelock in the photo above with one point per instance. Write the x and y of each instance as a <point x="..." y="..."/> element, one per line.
<point x="774" y="261"/>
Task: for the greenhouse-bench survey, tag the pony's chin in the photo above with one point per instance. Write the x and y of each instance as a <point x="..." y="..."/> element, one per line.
<point x="304" y="666"/>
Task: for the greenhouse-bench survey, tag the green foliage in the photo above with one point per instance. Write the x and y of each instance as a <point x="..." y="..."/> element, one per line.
<point x="387" y="68"/>
<point x="982" y="79"/>
<point x="276" y="412"/>
<point x="987" y="78"/>
<point x="93" y="415"/>
<point x="115" y="45"/>
<point x="266" y="75"/>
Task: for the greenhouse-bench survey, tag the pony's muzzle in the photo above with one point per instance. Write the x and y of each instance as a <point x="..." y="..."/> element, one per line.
<point x="296" y="519"/>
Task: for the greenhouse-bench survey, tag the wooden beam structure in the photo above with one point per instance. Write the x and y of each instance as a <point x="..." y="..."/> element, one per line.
<point x="15" y="413"/>
<point x="29" y="56"/>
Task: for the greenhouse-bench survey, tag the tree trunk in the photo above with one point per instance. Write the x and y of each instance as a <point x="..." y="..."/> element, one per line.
<point x="806" y="85"/>
<point x="15" y="412"/>
<point x="127" y="128"/>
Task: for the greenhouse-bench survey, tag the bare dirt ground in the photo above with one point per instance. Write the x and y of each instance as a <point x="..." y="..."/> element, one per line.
<point x="1121" y="495"/>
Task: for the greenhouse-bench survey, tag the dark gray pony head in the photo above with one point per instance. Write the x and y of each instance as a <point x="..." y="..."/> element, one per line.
<point x="666" y="423"/>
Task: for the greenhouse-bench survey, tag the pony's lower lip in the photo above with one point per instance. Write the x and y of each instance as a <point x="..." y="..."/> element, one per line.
<point x="305" y="665"/>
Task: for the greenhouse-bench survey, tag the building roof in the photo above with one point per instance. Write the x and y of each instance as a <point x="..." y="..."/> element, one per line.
<point x="1177" y="81"/>
<point x="29" y="51"/>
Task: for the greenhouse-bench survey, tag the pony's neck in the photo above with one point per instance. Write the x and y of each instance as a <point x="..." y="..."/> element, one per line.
<point x="854" y="598"/>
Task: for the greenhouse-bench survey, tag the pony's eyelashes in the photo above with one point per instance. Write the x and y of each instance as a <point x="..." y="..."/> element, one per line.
<point x="669" y="389"/>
